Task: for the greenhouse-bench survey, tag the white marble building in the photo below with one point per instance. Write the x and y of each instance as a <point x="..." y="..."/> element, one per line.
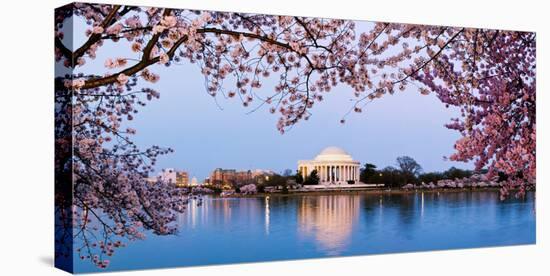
<point x="334" y="166"/>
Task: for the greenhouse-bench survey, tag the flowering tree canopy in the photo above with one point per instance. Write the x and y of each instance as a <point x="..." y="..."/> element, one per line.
<point x="488" y="74"/>
<point x="249" y="189"/>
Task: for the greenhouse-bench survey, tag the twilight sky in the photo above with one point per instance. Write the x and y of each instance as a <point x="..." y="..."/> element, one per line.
<point x="208" y="132"/>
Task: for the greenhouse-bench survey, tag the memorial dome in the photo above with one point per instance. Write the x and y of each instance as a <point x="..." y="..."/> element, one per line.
<point x="333" y="154"/>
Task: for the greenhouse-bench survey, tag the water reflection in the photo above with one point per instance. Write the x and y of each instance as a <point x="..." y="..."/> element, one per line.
<point x="266" y="219"/>
<point x="230" y="230"/>
<point x="329" y="220"/>
<point x="422" y="206"/>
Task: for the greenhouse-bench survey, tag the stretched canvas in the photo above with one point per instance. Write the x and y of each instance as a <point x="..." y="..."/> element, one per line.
<point x="188" y="137"/>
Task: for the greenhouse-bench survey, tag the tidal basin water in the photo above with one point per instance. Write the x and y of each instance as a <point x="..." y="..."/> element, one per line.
<point x="237" y="230"/>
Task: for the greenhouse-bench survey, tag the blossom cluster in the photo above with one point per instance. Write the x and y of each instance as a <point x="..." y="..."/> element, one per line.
<point x="284" y="63"/>
<point x="248" y="189"/>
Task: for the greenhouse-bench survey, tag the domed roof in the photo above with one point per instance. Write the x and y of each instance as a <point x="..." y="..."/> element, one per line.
<point x="333" y="154"/>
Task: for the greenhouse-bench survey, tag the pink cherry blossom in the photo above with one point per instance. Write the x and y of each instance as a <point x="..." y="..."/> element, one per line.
<point x="168" y="21"/>
<point x="163" y="58"/>
<point x="122" y="79"/>
<point x="136" y="47"/>
<point x="285" y="64"/>
<point x="97" y="30"/>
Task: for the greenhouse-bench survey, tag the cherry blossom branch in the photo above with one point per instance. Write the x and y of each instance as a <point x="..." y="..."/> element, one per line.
<point x="95" y="37"/>
<point x="145" y="62"/>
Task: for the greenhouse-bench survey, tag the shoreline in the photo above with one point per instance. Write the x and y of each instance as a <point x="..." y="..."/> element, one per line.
<point x="369" y="192"/>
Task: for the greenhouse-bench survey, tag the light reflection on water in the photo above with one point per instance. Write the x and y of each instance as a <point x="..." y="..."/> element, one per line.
<point x="229" y="230"/>
<point x="329" y="220"/>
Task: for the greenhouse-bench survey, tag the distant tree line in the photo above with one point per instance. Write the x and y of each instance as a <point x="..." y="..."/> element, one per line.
<point x="288" y="178"/>
<point x="406" y="171"/>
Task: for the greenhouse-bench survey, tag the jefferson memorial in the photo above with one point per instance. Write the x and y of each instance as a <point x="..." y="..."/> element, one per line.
<point x="334" y="167"/>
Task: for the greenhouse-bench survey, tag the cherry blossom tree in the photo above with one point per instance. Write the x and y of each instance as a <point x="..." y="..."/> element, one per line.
<point x="102" y="194"/>
<point x="249" y="189"/>
<point x="109" y="198"/>
<point x="490" y="76"/>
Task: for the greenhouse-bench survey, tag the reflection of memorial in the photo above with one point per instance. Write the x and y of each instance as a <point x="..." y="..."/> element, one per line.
<point x="328" y="219"/>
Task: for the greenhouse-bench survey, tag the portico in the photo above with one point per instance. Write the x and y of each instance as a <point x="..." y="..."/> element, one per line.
<point x="333" y="165"/>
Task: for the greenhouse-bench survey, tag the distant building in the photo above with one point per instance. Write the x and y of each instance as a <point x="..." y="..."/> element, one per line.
<point x="173" y="176"/>
<point x="182" y="179"/>
<point x="194" y="181"/>
<point x="233" y="178"/>
<point x="220" y="177"/>
<point x="243" y="177"/>
<point x="333" y="166"/>
<point x="168" y="175"/>
<point x="259" y="172"/>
